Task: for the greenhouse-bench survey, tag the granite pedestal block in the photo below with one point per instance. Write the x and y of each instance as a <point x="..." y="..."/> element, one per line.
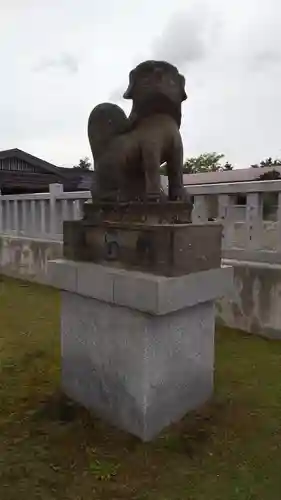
<point x="163" y="249"/>
<point x="137" y="349"/>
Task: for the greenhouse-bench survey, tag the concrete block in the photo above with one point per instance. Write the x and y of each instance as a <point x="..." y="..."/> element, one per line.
<point x="147" y="292"/>
<point x="137" y="290"/>
<point x="138" y="349"/>
<point x="137" y="371"/>
<point x="254" y="304"/>
<point x="26" y="258"/>
<point x="92" y="281"/>
<point x="63" y="274"/>
<point x="195" y="288"/>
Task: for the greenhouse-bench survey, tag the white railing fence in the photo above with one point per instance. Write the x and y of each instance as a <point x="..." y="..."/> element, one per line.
<point x="249" y="231"/>
<point x="245" y="227"/>
<point x="40" y="215"/>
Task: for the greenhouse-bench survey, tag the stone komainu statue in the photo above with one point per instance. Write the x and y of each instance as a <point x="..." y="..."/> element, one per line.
<point x="128" y="152"/>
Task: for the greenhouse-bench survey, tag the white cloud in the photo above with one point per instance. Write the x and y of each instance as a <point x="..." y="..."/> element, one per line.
<point x="189" y="36"/>
<point x="229" y="52"/>
<point x="65" y="62"/>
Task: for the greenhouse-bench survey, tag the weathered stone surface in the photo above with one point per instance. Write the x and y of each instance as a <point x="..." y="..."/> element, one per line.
<point x="164" y="212"/>
<point x="137" y="371"/>
<point x="138" y="349"/>
<point x="131" y="223"/>
<point x="27" y="258"/>
<point x="164" y="249"/>
<point x="138" y="346"/>
<point x="74" y="244"/>
<point x="128" y="152"/>
<point x="141" y="291"/>
<point x="253" y="305"/>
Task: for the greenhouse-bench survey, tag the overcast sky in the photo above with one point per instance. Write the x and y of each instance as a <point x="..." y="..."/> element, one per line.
<point x="59" y="58"/>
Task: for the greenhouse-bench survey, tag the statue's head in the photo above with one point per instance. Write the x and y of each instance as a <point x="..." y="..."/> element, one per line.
<point x="152" y="79"/>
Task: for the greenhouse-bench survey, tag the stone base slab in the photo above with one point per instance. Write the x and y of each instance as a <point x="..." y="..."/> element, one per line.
<point x="137" y="349"/>
<point x="137" y="371"/>
<point x="141" y="291"/>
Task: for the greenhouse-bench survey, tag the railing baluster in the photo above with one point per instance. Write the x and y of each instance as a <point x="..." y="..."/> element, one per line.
<point x="55" y="191"/>
<point x="224" y="217"/>
<point x="76" y="210"/>
<point x="15" y="216"/>
<point x="200" y="209"/>
<point x="279" y="223"/>
<point x="65" y="210"/>
<point x="8" y="222"/>
<point x="1" y="214"/>
<point x="33" y="225"/>
<point x="24" y="216"/>
<point x="43" y="217"/>
<point x="254" y="221"/>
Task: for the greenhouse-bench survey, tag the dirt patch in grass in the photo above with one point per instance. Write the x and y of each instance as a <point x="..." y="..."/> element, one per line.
<point x="52" y="449"/>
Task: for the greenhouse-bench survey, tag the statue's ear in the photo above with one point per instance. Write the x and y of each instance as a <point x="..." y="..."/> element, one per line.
<point x="182" y="83"/>
<point x="129" y="92"/>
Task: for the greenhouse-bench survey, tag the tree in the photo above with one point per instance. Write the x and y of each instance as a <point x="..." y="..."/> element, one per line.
<point x="84" y="163"/>
<point x="268" y="162"/>
<point x="270" y="175"/>
<point x="227" y="166"/>
<point x="270" y="200"/>
<point x="206" y="162"/>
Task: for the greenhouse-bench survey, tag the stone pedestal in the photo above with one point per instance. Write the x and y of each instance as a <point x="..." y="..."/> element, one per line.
<point x="157" y="238"/>
<point x="137" y="348"/>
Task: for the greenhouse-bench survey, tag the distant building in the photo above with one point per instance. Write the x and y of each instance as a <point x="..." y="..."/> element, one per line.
<point x="21" y="172"/>
<point x="226" y="176"/>
<point x="236" y="175"/>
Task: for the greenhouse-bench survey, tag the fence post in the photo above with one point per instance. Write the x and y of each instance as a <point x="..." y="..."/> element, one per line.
<point x="278" y="223"/>
<point x="8" y="221"/>
<point x="1" y="214"/>
<point x="24" y="216"/>
<point x="55" y="190"/>
<point x="76" y="209"/>
<point x="224" y="217"/>
<point x="43" y="217"/>
<point x="200" y="209"/>
<point x="254" y="221"/>
<point x="16" y="216"/>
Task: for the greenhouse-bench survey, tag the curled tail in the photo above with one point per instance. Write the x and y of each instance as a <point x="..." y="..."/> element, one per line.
<point x="105" y="122"/>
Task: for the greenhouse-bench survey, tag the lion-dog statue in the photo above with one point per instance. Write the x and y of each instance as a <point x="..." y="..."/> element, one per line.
<point x="128" y="152"/>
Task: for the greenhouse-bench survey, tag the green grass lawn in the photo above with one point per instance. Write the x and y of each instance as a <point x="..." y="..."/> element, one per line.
<point x="51" y="449"/>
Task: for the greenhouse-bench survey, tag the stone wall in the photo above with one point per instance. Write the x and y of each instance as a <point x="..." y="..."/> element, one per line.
<point x="268" y="239"/>
<point x="254" y="305"/>
<point x="27" y="258"/>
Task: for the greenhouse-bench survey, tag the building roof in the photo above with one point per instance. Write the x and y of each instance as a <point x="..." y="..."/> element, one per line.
<point x="33" y="160"/>
<point x="236" y="175"/>
<point x="46" y="173"/>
